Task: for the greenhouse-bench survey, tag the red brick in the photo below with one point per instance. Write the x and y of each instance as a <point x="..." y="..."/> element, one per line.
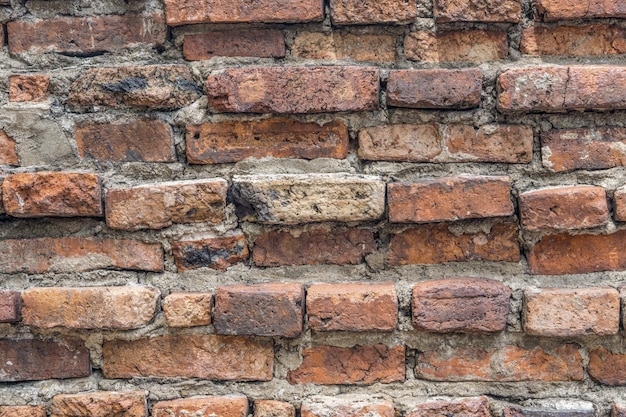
<point x="352" y="307"/>
<point x="573" y="40"/>
<point x="364" y="12"/>
<point x="569" y="312"/>
<point x="35" y="360"/>
<point x="574" y="207"/>
<point x="620" y="204"/>
<point x="348" y="406"/>
<point x="460" y="305"/>
<point x="437" y="244"/>
<point x="272" y="309"/>
<point x="224" y="142"/>
<point x="233" y="406"/>
<point x="294" y="89"/>
<point x="189" y="356"/>
<point x="329" y="365"/>
<point x="9" y="307"/>
<point x="452" y="198"/>
<point x="313" y="247"/>
<point x="8" y="153"/>
<point x="183" y="12"/>
<point x="214" y="252"/>
<point x="77" y="254"/>
<point x="155" y="206"/>
<point x="187" y="309"/>
<point x="551" y="10"/>
<point x="456" y="45"/>
<point x="24" y="88"/>
<point x="126" y="141"/>
<point x="467" y="407"/>
<point x="505" y="364"/>
<point x="267" y="43"/>
<point x="272" y="408"/>
<point x="435" y="88"/>
<point x="89" y="308"/>
<point x="477" y="11"/>
<point x="606" y="367"/>
<point x="566" y="254"/>
<point x="22" y="411"/>
<point x="100" y="404"/>
<point x="85" y="35"/>
<point x="344" y="46"/>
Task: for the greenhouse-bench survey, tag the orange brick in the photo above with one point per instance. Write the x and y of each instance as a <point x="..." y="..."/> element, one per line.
<point x="210" y="251"/>
<point x="187" y="309"/>
<point x="233" y="406"/>
<point x="573" y="40"/>
<point x="620" y="204"/>
<point x="363" y="12"/>
<point x="456" y="45"/>
<point x="271" y="408"/>
<point x="267" y="43"/>
<point x="468" y="407"/>
<point x="100" y="404"/>
<point x="8" y="152"/>
<point x="606" y="367"/>
<point x="24" y="88"/>
<point x="22" y="411"/>
<point x="551" y="10"/>
<point x="509" y="11"/>
<point x="344" y="46"/>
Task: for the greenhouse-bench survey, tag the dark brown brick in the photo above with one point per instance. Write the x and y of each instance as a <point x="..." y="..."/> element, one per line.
<point x="213" y="252"/>
<point x="267" y="43"/>
<point x="9" y="306"/>
<point x="478" y="11"/>
<point x="365" y="12"/>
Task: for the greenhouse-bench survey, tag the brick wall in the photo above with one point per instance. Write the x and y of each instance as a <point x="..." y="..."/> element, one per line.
<point x="338" y="208"/>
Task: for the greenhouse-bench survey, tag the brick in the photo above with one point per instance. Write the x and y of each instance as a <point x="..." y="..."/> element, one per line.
<point x="352" y="307"/>
<point x="9" y="307"/>
<point x="344" y="46"/>
<point x="126" y="141"/>
<point x="437" y="244"/>
<point x="573" y="40"/>
<point x="329" y="365"/>
<point x="456" y="45"/>
<point x="89" y="308"/>
<point x="505" y="364"/>
<point x="460" y="305"/>
<point x="606" y="367"/>
<point x="435" y="88"/>
<point x="552" y="10"/>
<point x="562" y="254"/>
<point x="347" y="406"/>
<point x="77" y="254"/>
<point x="272" y="309"/>
<point x="364" y="12"/>
<point x="267" y="43"/>
<point x="304" y="198"/>
<point x="575" y="207"/>
<point x="8" y="152"/>
<point x="155" y="206"/>
<point x="467" y="407"/>
<point x="100" y="404"/>
<point x="214" y="357"/>
<point x="509" y="11"/>
<point x="573" y="409"/>
<point x="434" y="142"/>
<point x="61" y="194"/>
<point x="36" y="360"/>
<point x="272" y="408"/>
<point x="619" y="198"/>
<point x="313" y="247"/>
<point x="569" y="312"/>
<point x="188" y="309"/>
<point x="183" y="12"/>
<point x="213" y="252"/>
<point x="29" y="88"/>
<point x="294" y="89"/>
<point x="22" y="411"/>
<point x="561" y="88"/>
<point x="224" y="142"/>
<point x="448" y="199"/>
<point x="619" y="410"/>
<point x="85" y="35"/>
<point x="165" y="87"/>
<point x="232" y="406"/>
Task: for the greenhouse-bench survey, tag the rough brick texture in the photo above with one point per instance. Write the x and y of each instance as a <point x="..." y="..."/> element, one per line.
<point x="456" y="45"/>
<point x="10" y="303"/>
<point x="22" y="411"/>
<point x="210" y="251"/>
<point x="258" y="43"/>
<point x="344" y="45"/>
<point x="187" y="309"/>
<point x="233" y="406"/>
<point x="28" y="88"/>
<point x="607" y="367"/>
<point x="100" y="404"/>
<point x="574" y="40"/>
<point x="478" y="10"/>
<point x="272" y="408"/>
<point x="362" y="12"/>
<point x="470" y="407"/>
<point x="619" y="198"/>
<point x="347" y="406"/>
<point x="8" y="152"/>
<point x="550" y="10"/>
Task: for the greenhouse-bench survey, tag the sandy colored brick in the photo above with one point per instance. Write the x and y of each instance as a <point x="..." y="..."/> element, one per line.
<point x="344" y="46"/>
<point x="573" y="409"/>
<point x="509" y="11"/>
<point x="29" y="88"/>
<point x="273" y="408"/>
<point x="22" y="411"/>
<point x="217" y="252"/>
<point x="187" y="309"/>
<point x="100" y="404"/>
<point x="456" y="45"/>
<point x="606" y="367"/>
<point x="467" y="407"/>
<point x="573" y="40"/>
<point x="8" y="152"/>
<point x="552" y="10"/>
<point x="354" y="405"/>
<point x="231" y="406"/>
<point x="268" y="43"/>
<point x="10" y="304"/>
<point x="364" y="12"/>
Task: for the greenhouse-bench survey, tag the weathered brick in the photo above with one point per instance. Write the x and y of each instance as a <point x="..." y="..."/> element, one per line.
<point x="187" y="309"/>
<point x="573" y="40"/>
<point x="155" y="206"/>
<point x="217" y="252"/>
<point x="216" y="143"/>
<point x="574" y="207"/>
<point x="619" y="410"/>
<point x="25" y="88"/>
<point x="294" y="89"/>
<point x="326" y="365"/>
<point x="435" y="88"/>
<point x="505" y="364"/>
<point x="606" y="367"/>
<point x="126" y="141"/>
<point x="346" y="406"/>
<point x="437" y="244"/>
<point x="460" y="305"/>
<point x="551" y="10"/>
<point x="22" y="411"/>
<point x="352" y="307"/>
<point x="620" y="204"/>
<point x="89" y="308"/>
<point x="313" y="247"/>
<point x="456" y="45"/>
<point x="436" y="142"/>
<point x="232" y="406"/>
<point x="272" y="408"/>
<point x="153" y="86"/>
<point x="214" y="357"/>
<point x="452" y="198"/>
<point x="8" y="152"/>
<point x="272" y="309"/>
<point x="478" y="11"/>
<point x="580" y="254"/>
<point x="77" y="254"/>
<point x="9" y="307"/>
<point x="85" y="35"/>
<point x="573" y="409"/>
<point x="344" y="46"/>
<point x="268" y="43"/>
<point x="568" y="312"/>
<point x="35" y="360"/>
<point x="363" y="12"/>
<point x="183" y="12"/>
<point x="100" y="404"/>
<point x="303" y="198"/>
<point x="558" y="88"/>
<point x="62" y="194"/>
<point x="467" y="407"/>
